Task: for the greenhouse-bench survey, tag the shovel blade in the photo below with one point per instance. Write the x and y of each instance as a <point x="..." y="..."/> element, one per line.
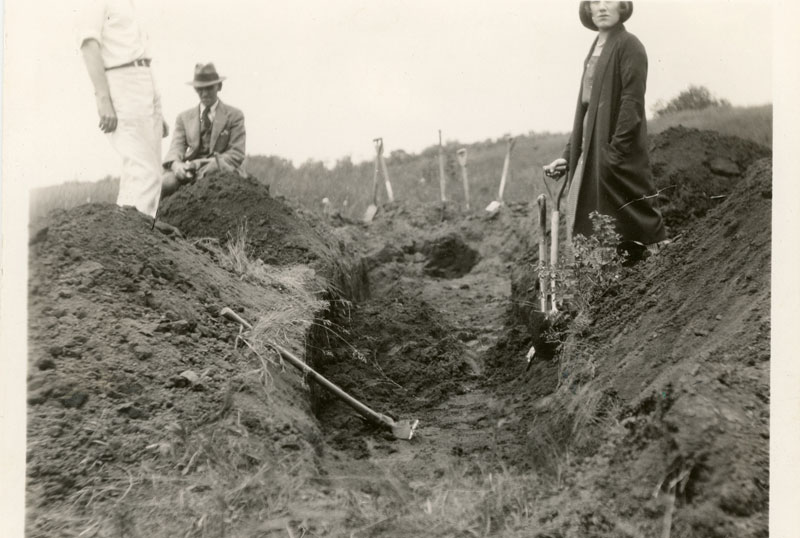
<point x="404" y="429"/>
<point x="493" y="206"/>
<point x="369" y="214"/>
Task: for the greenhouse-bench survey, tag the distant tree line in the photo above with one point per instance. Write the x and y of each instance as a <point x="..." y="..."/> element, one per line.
<point x="692" y="98"/>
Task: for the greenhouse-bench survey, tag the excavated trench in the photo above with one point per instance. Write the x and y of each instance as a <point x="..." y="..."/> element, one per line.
<point x="430" y="314"/>
<point x="434" y="341"/>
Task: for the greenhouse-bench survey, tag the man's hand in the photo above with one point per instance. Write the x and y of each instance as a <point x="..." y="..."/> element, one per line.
<point x="108" y="116"/>
<point x="180" y="170"/>
<point x="164" y="129"/>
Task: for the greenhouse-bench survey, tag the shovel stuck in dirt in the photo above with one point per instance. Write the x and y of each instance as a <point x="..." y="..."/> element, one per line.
<point x="462" y="161"/>
<point x="401" y="429"/>
<point x="380" y="166"/>
<point x="554" y="233"/>
<point x="495" y="204"/>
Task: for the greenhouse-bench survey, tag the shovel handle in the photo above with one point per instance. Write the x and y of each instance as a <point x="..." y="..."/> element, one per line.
<point x="378" y="154"/>
<point x="377" y="418"/>
<point x="554" y="226"/>
<point x="509" y="146"/>
<point x="388" y="183"/>
<point x="442" y="193"/>
<point x="542" y="202"/>
<point x="361" y="409"/>
<point x="462" y="161"/>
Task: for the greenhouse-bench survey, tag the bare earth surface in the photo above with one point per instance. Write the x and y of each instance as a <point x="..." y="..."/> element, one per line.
<point x="151" y="415"/>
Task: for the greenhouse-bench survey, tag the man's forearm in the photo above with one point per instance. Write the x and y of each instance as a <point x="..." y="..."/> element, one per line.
<point x="97" y="73"/>
<point x="95" y="68"/>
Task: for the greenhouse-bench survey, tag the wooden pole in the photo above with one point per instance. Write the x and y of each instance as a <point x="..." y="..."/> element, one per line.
<point x="441" y="170"/>
<point x="462" y="160"/>
<point x="378" y="149"/>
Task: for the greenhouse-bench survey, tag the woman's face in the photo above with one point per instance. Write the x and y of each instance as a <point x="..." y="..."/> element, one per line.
<point x="605" y="15"/>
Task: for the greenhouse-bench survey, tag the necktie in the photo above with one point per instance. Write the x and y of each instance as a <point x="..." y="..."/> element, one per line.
<point x="205" y="130"/>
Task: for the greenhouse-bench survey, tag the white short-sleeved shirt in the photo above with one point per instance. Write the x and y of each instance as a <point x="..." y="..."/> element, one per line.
<point x="113" y="24"/>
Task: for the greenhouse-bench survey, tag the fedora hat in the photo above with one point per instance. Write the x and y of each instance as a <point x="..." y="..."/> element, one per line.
<point x="205" y="75"/>
<point x="586" y="15"/>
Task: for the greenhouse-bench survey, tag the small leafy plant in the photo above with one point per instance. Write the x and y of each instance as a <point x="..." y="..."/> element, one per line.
<point x="597" y="265"/>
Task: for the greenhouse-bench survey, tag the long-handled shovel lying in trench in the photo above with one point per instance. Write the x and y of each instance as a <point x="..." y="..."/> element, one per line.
<point x="401" y="429"/>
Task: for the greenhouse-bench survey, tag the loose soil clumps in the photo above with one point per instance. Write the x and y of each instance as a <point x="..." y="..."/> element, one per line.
<point x="662" y="401"/>
<point x="449" y="256"/>
<point x="217" y="205"/>
<point x="150" y="415"/>
<point x="694" y="171"/>
<point x="148" y="412"/>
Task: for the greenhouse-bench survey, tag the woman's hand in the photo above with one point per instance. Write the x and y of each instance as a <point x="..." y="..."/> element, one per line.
<point x="556" y="169"/>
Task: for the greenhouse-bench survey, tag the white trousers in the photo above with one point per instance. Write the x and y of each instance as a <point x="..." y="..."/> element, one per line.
<point x="137" y="137"/>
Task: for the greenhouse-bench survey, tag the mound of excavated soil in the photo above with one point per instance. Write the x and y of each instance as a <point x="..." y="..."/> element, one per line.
<point x="217" y="205"/>
<point x="149" y="415"/>
<point x="694" y="170"/>
<point x="220" y="206"/>
<point x="137" y="389"/>
<point x="665" y="394"/>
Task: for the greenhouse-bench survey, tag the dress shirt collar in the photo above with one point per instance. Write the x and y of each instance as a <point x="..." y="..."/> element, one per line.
<point x="212" y="112"/>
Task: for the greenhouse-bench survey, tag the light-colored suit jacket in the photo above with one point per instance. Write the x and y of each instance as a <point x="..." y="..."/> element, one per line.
<point x="227" y="136"/>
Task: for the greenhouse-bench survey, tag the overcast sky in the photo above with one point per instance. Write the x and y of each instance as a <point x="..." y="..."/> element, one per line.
<point x="319" y="79"/>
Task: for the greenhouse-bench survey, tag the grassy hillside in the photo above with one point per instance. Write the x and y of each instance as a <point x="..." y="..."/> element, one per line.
<point x="415" y="177"/>
<point x="751" y="123"/>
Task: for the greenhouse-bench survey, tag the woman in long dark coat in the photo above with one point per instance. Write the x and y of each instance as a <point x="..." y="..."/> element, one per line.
<point x="606" y="157"/>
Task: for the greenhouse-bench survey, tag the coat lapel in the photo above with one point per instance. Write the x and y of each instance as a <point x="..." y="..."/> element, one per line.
<point x="597" y="85"/>
<point x="193" y="129"/>
<point x="220" y="119"/>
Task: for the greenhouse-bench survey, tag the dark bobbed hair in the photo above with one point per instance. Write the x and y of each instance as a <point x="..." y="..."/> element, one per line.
<point x="585" y="13"/>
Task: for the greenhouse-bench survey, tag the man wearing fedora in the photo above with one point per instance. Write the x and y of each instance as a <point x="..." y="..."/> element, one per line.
<point x="207" y="138"/>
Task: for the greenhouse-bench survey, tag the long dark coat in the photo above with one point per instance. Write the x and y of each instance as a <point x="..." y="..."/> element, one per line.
<point x="616" y="164"/>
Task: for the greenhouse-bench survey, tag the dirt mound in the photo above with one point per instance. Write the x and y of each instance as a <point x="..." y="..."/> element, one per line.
<point x="149" y="415"/>
<point x="694" y="170"/>
<point x="217" y="205"/>
<point x="664" y="394"/>
<point x="137" y="388"/>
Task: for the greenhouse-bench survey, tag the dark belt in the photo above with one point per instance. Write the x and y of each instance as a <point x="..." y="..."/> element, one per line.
<point x="143" y="62"/>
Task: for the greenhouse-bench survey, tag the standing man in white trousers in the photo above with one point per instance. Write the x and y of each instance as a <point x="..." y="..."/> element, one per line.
<point x="115" y="51"/>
